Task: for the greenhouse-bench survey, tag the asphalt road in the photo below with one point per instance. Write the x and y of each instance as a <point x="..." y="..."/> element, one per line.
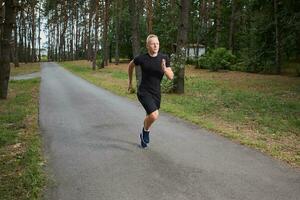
<point x="92" y="147"/>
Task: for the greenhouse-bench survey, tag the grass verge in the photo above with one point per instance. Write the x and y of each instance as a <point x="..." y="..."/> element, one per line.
<point x="27" y="68"/>
<point x="21" y="162"/>
<point x="261" y="111"/>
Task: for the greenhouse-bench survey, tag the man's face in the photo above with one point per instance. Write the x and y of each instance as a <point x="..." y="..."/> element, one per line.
<point x="153" y="45"/>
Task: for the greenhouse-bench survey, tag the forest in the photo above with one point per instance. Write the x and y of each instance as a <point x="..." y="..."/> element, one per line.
<point x="70" y="124"/>
<point x="243" y="35"/>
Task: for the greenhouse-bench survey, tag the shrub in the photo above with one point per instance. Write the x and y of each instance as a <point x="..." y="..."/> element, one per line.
<point x="166" y="85"/>
<point x="219" y="58"/>
<point x="240" y="66"/>
<point x="99" y="60"/>
<point x="191" y="61"/>
<point x="203" y="62"/>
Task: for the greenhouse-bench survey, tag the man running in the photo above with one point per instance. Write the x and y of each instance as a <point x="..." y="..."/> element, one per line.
<point x="153" y="65"/>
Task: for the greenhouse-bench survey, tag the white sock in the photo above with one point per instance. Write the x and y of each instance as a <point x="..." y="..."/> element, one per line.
<point x="146" y="130"/>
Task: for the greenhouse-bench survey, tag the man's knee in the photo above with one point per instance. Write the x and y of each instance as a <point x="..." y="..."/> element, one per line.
<point x="154" y="115"/>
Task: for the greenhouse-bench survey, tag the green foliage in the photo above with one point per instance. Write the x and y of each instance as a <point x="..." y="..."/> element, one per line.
<point x="166" y="85"/>
<point x="166" y="24"/>
<point x="99" y="59"/>
<point x="217" y="59"/>
<point x="251" y="25"/>
<point x="191" y="61"/>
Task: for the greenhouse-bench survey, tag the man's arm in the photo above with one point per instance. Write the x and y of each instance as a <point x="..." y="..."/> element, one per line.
<point x="169" y="73"/>
<point x="130" y="72"/>
<point x="167" y="70"/>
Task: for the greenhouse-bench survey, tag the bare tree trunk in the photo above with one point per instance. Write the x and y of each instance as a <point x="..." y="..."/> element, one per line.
<point x="29" y="55"/>
<point x="96" y="33"/>
<point x="180" y="56"/>
<point x="135" y="16"/>
<point x="21" y="43"/>
<point x="1" y="21"/>
<point x="208" y="21"/>
<point x="149" y="9"/>
<point x="16" y="50"/>
<point x="71" y="57"/>
<point x="117" y="27"/>
<point x="40" y="58"/>
<point x="277" y="39"/>
<point x="25" y="42"/>
<point x="49" y="40"/>
<point x="218" y="24"/>
<point x="76" y="32"/>
<point x="10" y="20"/>
<point x="57" y="54"/>
<point x="202" y="27"/>
<point x="89" y="53"/>
<point x="33" y="53"/>
<point x="62" y="35"/>
<point x="105" y="33"/>
<point x="232" y="26"/>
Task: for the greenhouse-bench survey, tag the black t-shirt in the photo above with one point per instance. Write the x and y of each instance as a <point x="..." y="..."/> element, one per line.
<point x="151" y="71"/>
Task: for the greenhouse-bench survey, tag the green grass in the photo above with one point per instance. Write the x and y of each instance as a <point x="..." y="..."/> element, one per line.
<point x="261" y="111"/>
<point x="21" y="173"/>
<point x="27" y="68"/>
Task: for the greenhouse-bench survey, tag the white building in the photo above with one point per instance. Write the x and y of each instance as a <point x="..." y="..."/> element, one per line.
<point x="193" y="51"/>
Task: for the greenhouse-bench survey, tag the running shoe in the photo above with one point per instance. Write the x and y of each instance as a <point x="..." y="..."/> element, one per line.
<point x="143" y="144"/>
<point x="146" y="137"/>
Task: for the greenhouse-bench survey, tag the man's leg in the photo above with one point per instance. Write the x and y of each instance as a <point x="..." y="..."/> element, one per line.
<point x="149" y="119"/>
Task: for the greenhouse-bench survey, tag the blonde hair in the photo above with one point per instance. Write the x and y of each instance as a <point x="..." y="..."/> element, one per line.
<point x="149" y="37"/>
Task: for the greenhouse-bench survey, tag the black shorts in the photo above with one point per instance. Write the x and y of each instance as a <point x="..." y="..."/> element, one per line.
<point x="150" y="102"/>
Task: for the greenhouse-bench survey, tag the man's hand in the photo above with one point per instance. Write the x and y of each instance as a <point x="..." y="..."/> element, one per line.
<point x="167" y="70"/>
<point x="130" y="88"/>
<point x="163" y="65"/>
<point x="130" y="71"/>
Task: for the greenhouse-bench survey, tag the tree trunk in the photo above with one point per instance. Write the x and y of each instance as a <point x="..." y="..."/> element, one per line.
<point x="117" y="27"/>
<point x="10" y="19"/>
<point x="96" y="33"/>
<point x="62" y="36"/>
<point x="135" y="16"/>
<point x="40" y="57"/>
<point x="232" y="26"/>
<point x="202" y="28"/>
<point x="277" y="39"/>
<point x="33" y="53"/>
<point x="76" y="32"/>
<point x="180" y="56"/>
<point x="49" y="40"/>
<point x="149" y="9"/>
<point x="207" y="20"/>
<point x="57" y="54"/>
<point x="1" y="23"/>
<point x="16" y="49"/>
<point x="71" y="53"/>
<point x="25" y="42"/>
<point x="218" y="24"/>
<point x="89" y="52"/>
<point x="29" y="55"/>
<point x="21" y="43"/>
<point x="105" y="33"/>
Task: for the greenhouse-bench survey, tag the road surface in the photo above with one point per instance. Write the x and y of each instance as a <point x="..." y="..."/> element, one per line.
<point x="92" y="147"/>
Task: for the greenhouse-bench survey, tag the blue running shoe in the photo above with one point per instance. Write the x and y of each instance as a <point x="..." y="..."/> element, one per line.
<point x="143" y="144"/>
<point x="146" y="137"/>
